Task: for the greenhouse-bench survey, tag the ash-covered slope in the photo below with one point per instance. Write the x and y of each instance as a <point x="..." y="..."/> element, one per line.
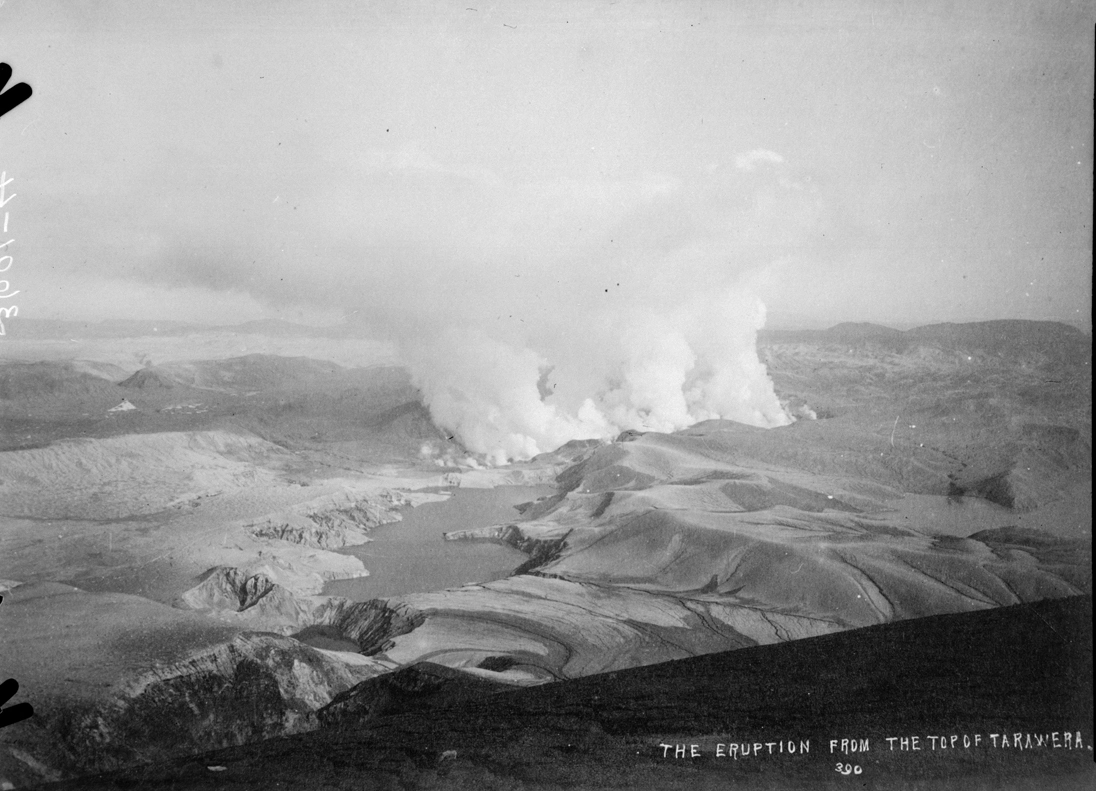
<point x="250" y="373"/>
<point x="71" y="396"/>
<point x="658" y="547"/>
<point x="724" y="536"/>
<point x="721" y="536"/>
<point x="373" y="414"/>
<point x="933" y="481"/>
<point x="22" y="382"/>
<point x="150" y="379"/>
<point x="1002" y="408"/>
<point x="1008" y="684"/>
<point x="300" y="402"/>
<point x="667" y="546"/>
<point x="125" y="679"/>
<point x="116" y="677"/>
<point x="132" y="474"/>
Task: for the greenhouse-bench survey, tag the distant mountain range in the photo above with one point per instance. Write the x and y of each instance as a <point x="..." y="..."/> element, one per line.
<point x="1002" y="337"/>
<point x="53" y="329"/>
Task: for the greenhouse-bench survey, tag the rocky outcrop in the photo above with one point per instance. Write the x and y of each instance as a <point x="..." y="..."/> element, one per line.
<point x="234" y="596"/>
<point x="274" y="593"/>
<point x="417" y="687"/>
<point x="146" y="696"/>
<point x="252" y="600"/>
<point x="373" y="625"/>
<point x="542" y="542"/>
<point x="332" y="522"/>
<point x="255" y="687"/>
<point x="149" y="379"/>
<point x="228" y="588"/>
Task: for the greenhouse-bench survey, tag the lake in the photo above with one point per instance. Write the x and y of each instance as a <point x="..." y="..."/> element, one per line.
<point x="413" y="556"/>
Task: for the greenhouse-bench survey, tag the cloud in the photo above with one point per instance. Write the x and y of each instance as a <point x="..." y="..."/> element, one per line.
<point x="749" y="160"/>
<point x="600" y="318"/>
<point x="628" y="297"/>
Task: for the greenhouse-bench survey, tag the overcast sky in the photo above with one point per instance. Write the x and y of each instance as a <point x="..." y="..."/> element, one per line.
<point x="900" y="162"/>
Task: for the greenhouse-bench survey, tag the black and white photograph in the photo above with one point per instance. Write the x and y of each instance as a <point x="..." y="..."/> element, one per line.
<point x="528" y="395"/>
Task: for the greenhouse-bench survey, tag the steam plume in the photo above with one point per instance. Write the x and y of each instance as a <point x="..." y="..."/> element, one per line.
<point x="652" y="371"/>
<point x="653" y="326"/>
<point x="539" y="311"/>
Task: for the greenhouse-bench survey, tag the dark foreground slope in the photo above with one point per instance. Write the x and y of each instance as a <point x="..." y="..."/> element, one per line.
<point x="973" y="700"/>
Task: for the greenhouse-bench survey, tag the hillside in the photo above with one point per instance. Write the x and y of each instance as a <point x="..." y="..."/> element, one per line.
<point x="926" y="477"/>
<point x="1007" y="684"/>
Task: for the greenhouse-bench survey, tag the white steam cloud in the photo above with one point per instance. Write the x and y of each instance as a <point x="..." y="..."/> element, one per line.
<point x="656" y="371"/>
<point x="649" y="325"/>
<point x="655" y="330"/>
<point x="532" y="311"/>
<point x="750" y="159"/>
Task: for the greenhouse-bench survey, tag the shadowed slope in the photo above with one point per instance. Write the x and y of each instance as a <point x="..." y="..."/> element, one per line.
<point x="1023" y="670"/>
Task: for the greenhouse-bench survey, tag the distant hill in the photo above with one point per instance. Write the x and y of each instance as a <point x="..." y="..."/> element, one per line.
<point x="53" y="329"/>
<point x="409" y="422"/>
<point x="850" y="331"/>
<point x="1050" y="340"/>
<point x="276" y="328"/>
<point x="1008" y="337"/>
<point x="252" y="372"/>
<point x="24" y="382"/>
<point x="149" y="378"/>
<point x="862" y="329"/>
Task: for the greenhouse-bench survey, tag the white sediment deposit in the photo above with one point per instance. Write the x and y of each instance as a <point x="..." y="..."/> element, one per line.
<point x="334" y="521"/>
<point x="116" y="477"/>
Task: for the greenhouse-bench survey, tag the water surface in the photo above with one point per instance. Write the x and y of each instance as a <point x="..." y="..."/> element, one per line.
<point x="413" y="556"/>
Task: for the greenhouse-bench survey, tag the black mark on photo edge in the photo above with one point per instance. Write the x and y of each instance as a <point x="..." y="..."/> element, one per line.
<point x="13" y="96"/>
<point x="18" y="712"/>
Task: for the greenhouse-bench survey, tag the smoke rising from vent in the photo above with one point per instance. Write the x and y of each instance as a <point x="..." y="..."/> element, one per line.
<point x="533" y="312"/>
<point x="648" y="371"/>
<point x="530" y="310"/>
<point x="652" y="326"/>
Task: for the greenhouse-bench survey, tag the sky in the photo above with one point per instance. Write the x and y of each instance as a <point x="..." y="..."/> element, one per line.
<point x="893" y="162"/>
<point x="568" y="218"/>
